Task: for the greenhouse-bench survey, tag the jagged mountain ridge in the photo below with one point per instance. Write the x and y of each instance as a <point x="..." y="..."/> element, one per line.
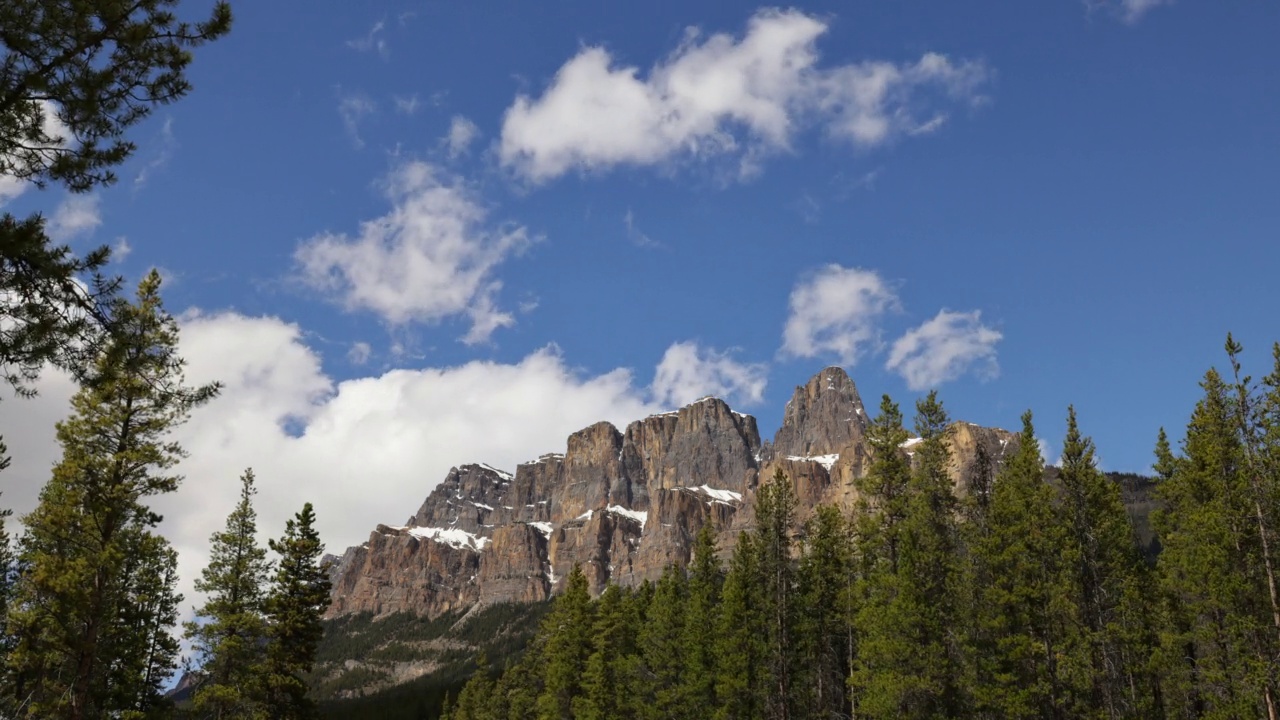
<point x="622" y="504"/>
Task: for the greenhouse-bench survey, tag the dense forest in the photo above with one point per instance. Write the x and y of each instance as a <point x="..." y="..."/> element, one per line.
<point x="1032" y="596"/>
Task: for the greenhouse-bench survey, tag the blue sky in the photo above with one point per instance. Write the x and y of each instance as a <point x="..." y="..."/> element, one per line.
<point x="411" y="235"/>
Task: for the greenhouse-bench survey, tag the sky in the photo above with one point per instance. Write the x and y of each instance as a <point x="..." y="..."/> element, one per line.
<point x="412" y="235"/>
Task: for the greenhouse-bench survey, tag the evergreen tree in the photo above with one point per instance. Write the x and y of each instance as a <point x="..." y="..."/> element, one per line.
<point x="1218" y="641"/>
<point x="882" y="507"/>
<point x="89" y="543"/>
<point x="74" y="77"/>
<point x="567" y="647"/>
<point x="299" y="595"/>
<point x="606" y="686"/>
<point x="1032" y="665"/>
<point x="775" y="517"/>
<point x="1109" y="582"/>
<point x="740" y="637"/>
<point x="473" y="700"/>
<point x="824" y="627"/>
<point x="697" y="689"/>
<point x="229" y="633"/>
<point x="662" y="646"/>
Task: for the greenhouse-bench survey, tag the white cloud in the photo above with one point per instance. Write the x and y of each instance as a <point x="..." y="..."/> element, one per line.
<point x="462" y="132"/>
<point x="359" y="353"/>
<point x="168" y="145"/>
<point x="75" y="216"/>
<point x="688" y="372"/>
<point x="1135" y="9"/>
<point x="720" y="96"/>
<point x="430" y="258"/>
<point x="837" y="310"/>
<point x="634" y="233"/>
<point x="121" y="249"/>
<point x="1130" y="11"/>
<point x="353" y="109"/>
<point x="372" y="41"/>
<point x="364" y="451"/>
<point x="407" y="105"/>
<point x="944" y="348"/>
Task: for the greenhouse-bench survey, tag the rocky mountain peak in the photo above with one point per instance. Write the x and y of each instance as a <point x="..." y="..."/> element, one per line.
<point x="823" y="417"/>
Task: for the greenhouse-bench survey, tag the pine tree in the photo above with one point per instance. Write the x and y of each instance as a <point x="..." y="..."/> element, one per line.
<point x="75" y="77"/>
<point x="606" y="690"/>
<point x="740" y="636"/>
<point x="299" y="595"/>
<point x="775" y="518"/>
<point x="567" y="647"/>
<point x="661" y="643"/>
<point x="1030" y="666"/>
<point x="229" y="633"/>
<point x="1109" y="582"/>
<point x="876" y="683"/>
<point x="84" y="539"/>
<point x="1218" y="640"/>
<point x="824" y="627"/>
<point x="697" y="691"/>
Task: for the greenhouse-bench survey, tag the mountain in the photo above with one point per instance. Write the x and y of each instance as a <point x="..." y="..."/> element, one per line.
<point x="622" y="504"/>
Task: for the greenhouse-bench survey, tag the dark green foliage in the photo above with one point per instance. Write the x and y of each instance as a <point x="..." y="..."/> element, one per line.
<point x="566" y="650"/>
<point x="74" y="77"/>
<point x="229" y="633"/>
<point x="95" y="601"/>
<point x="1032" y="660"/>
<point x="299" y="595"/>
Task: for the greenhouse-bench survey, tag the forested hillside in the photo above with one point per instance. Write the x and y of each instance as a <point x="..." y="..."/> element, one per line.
<point x="1029" y="598"/>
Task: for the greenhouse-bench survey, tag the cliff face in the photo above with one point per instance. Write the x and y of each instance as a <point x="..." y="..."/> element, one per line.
<point x="623" y="505"/>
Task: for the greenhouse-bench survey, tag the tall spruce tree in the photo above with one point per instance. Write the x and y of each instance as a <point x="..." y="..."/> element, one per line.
<point x="606" y="687"/>
<point x="740" y="636"/>
<point x="661" y="642"/>
<point x="1110" y="583"/>
<point x="697" y="685"/>
<point x="1032" y="665"/>
<point x="89" y="543"/>
<point x="299" y="595"/>
<point x="567" y="647"/>
<point x="775" y="521"/>
<point x="1218" y="644"/>
<point x="824" y="626"/>
<point x="230" y="629"/>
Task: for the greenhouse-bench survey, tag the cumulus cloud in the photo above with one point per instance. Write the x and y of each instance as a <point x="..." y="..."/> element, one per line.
<point x="430" y="258"/>
<point x="75" y="216"/>
<point x="688" y="372"/>
<point x="462" y="132"/>
<point x="721" y="96"/>
<point x="944" y="348"/>
<point x="837" y="310"/>
<point x="364" y="451"/>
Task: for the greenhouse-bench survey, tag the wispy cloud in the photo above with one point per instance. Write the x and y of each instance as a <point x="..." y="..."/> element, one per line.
<point x="637" y="236"/>
<point x="718" y="96"/>
<point x="373" y="41"/>
<point x="353" y="109"/>
<point x="167" y="145"/>
<point x="407" y="104"/>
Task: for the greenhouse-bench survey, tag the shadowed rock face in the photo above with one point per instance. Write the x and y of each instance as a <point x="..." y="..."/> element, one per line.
<point x="622" y="505"/>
